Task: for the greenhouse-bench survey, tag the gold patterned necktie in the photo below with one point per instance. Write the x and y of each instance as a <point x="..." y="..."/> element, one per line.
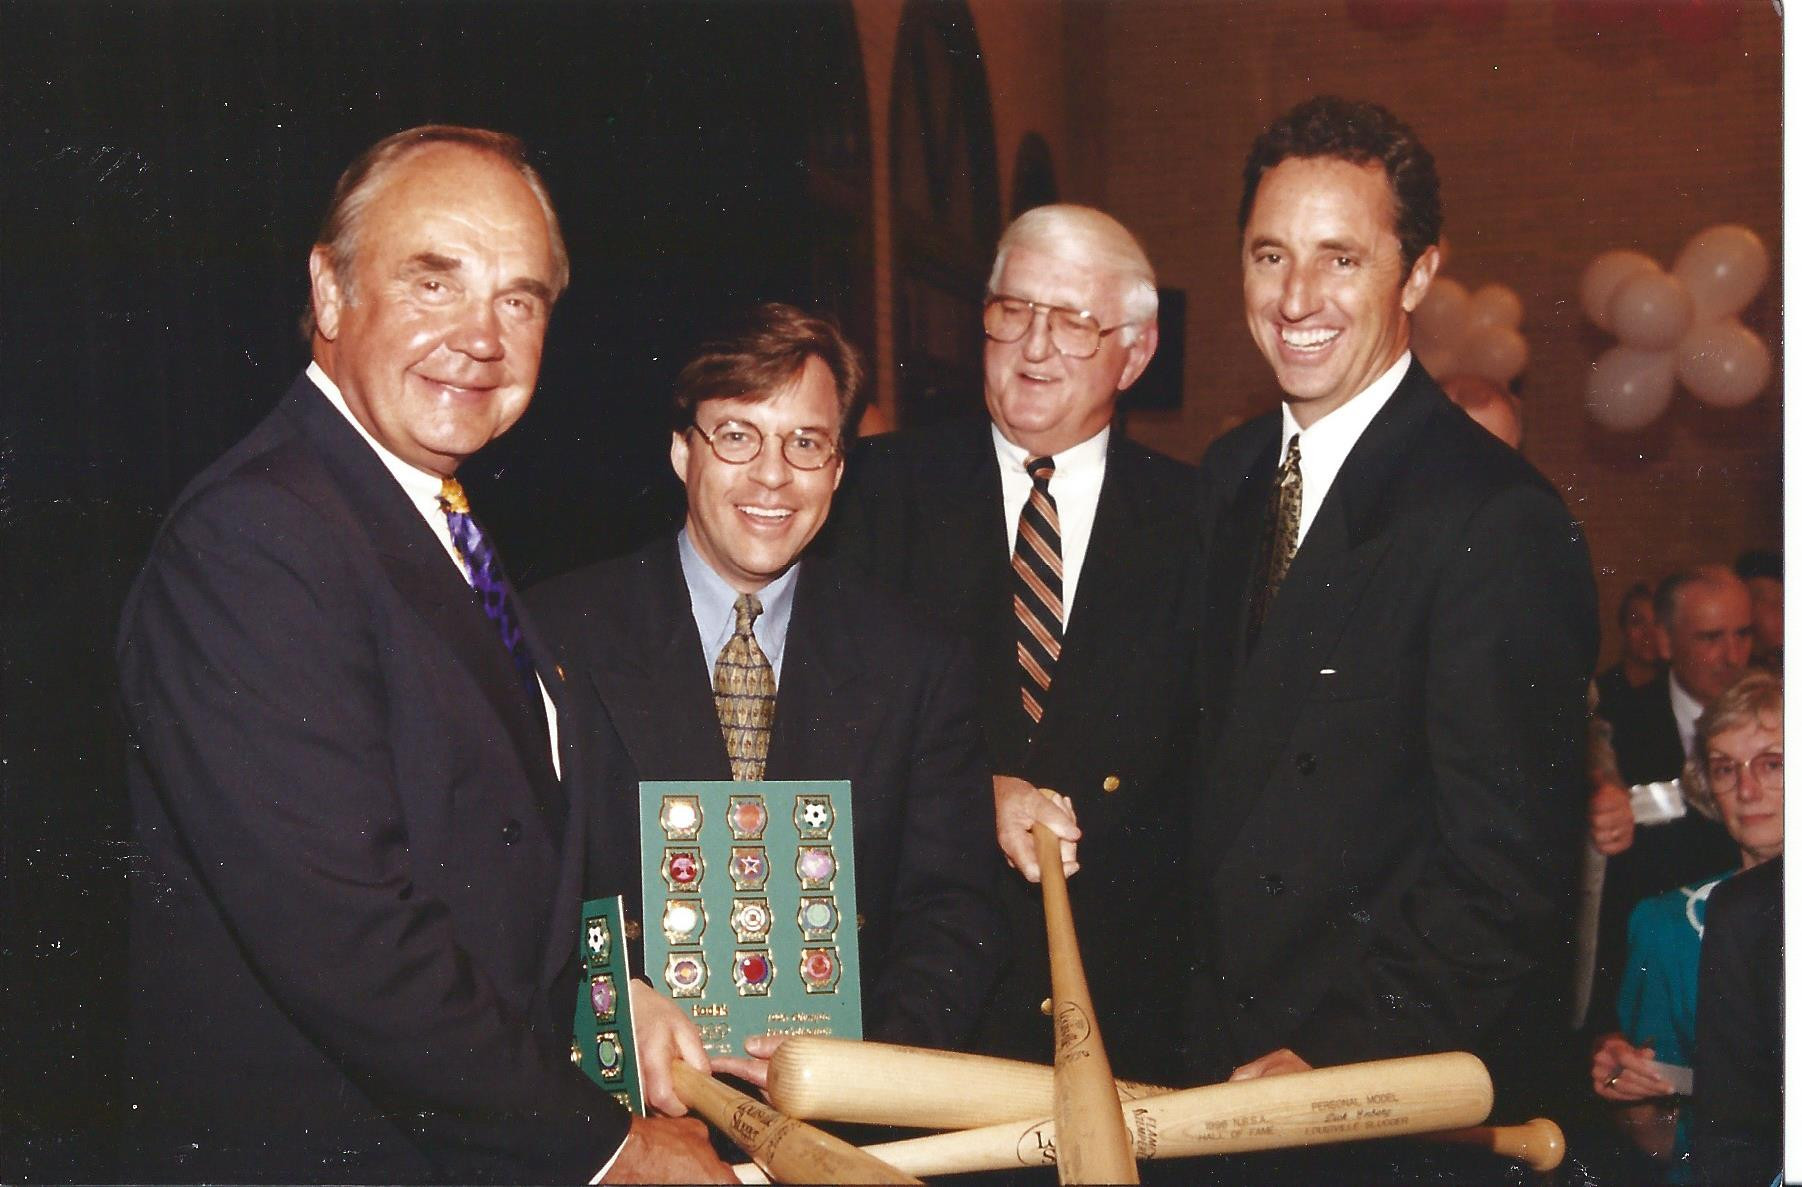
<point x="1283" y="532"/>
<point x="744" y="693"/>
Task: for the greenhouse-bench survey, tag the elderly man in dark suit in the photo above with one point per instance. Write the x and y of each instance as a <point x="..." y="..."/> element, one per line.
<point x="354" y="913"/>
<point x="1399" y="627"/>
<point x="1064" y="552"/>
<point x="717" y="654"/>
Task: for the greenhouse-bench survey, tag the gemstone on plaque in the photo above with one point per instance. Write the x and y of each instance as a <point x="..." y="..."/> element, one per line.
<point x="682" y="868"/>
<point x="747" y="817"/>
<point x="681" y="817"/>
<point x="685" y="974"/>
<point x="603" y="997"/>
<point x="683" y="921"/>
<point x="819" y="969"/>
<point x="818" y="918"/>
<point x="751" y="920"/>
<point x="609" y="1054"/>
<point x="816" y="866"/>
<point x="752" y="972"/>
<point x="749" y="868"/>
<point x="813" y="815"/>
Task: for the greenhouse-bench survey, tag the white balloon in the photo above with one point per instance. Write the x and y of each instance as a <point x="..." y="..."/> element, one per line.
<point x="1494" y="305"/>
<point x="1496" y="353"/>
<point x="1723" y="268"/>
<point x="1630" y="388"/>
<point x="1723" y="363"/>
<point x="1604" y="275"/>
<point x="1439" y="319"/>
<point x="1650" y="310"/>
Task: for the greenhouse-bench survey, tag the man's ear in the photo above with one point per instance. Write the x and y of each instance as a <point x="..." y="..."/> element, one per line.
<point x="1138" y="355"/>
<point x="678" y="454"/>
<point x="1420" y="278"/>
<point x="328" y="294"/>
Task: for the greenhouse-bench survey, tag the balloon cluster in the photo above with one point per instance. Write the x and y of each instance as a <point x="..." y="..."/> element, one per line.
<point x="1457" y="332"/>
<point x="1677" y="325"/>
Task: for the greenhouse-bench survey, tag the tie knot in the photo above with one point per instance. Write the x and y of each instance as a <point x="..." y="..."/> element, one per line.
<point x="451" y="499"/>
<point x="1041" y="469"/>
<point x="746" y="608"/>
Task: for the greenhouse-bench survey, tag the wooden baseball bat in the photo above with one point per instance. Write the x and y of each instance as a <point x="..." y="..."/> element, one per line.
<point x="789" y="1151"/>
<point x="824" y="1079"/>
<point x="819" y="1078"/>
<point x="1097" y="1146"/>
<point x="1417" y="1094"/>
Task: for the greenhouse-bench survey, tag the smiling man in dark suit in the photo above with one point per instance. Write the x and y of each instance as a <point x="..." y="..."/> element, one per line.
<point x="354" y="917"/>
<point x="717" y="654"/>
<point x="1399" y="626"/>
<point x="1062" y="550"/>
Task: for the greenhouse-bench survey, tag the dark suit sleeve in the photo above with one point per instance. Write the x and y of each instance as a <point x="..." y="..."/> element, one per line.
<point x="943" y="952"/>
<point x="1509" y="646"/>
<point x="1739" y="1032"/>
<point x="252" y="670"/>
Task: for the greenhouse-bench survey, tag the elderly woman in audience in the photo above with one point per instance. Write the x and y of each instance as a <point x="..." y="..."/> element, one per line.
<point x="1736" y="777"/>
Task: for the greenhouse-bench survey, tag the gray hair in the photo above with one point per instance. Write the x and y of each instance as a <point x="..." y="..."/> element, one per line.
<point x="1093" y="239"/>
<point x="1755" y="697"/>
<point x="362" y="180"/>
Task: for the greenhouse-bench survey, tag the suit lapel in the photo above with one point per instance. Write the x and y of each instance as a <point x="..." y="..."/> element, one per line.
<point x="816" y="731"/>
<point x="656" y="684"/>
<point x="1344" y="546"/>
<point x="427" y="579"/>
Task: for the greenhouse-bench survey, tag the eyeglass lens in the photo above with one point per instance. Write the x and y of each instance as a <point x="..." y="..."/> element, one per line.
<point x="1074" y="333"/>
<point x="1766" y="770"/>
<point x="736" y="442"/>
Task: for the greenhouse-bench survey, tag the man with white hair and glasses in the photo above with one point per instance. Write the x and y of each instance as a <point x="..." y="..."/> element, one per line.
<point x="1063" y="552"/>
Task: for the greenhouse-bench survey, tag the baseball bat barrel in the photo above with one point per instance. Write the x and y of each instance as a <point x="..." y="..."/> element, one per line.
<point x="787" y="1150"/>
<point x="1096" y="1147"/>
<point x="818" y="1078"/>
<point x="1417" y="1094"/>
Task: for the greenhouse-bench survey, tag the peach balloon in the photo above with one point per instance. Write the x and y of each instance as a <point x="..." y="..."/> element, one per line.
<point x="1494" y="305"/>
<point x="1604" y="275"/>
<point x="1723" y="268"/>
<point x="1630" y="388"/>
<point x="1650" y="310"/>
<point x="1723" y="363"/>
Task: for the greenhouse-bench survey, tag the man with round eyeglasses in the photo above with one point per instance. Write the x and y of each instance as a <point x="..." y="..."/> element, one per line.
<point x="717" y="653"/>
<point x="1062" y="550"/>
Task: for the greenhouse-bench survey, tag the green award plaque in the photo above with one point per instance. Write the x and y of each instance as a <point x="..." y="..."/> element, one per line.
<point x="750" y="902"/>
<point x="604" y="1046"/>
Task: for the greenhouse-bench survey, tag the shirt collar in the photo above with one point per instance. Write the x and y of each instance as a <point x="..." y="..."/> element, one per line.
<point x="422" y="486"/>
<point x="713" y="599"/>
<point x="1330" y="439"/>
<point x="1084" y="457"/>
<point x="1686" y="710"/>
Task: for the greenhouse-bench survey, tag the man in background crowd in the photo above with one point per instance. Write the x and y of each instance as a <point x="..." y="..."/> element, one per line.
<point x="1762" y="571"/>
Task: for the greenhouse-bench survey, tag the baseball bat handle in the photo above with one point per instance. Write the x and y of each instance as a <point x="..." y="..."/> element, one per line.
<point x="1539" y="1143"/>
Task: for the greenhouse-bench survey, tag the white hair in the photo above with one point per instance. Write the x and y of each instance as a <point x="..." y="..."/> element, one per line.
<point x="1093" y="239"/>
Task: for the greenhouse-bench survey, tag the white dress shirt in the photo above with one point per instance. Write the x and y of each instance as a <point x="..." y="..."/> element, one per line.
<point x="422" y="490"/>
<point x="1687" y="710"/>
<point x="1075" y="488"/>
<point x="1327" y="442"/>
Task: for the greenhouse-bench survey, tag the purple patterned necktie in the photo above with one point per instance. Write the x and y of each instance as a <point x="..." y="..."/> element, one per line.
<point x="489" y="582"/>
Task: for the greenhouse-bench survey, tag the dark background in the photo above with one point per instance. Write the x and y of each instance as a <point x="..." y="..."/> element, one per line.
<point x="165" y="167"/>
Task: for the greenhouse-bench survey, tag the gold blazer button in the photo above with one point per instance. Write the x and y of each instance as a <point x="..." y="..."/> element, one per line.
<point x="1111" y="784"/>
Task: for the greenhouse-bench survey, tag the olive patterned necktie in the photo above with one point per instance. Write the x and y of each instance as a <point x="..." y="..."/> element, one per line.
<point x="744" y="693"/>
<point x="1283" y="532"/>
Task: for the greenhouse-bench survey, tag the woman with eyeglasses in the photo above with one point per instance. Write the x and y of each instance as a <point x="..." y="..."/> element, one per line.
<point x="1735" y="775"/>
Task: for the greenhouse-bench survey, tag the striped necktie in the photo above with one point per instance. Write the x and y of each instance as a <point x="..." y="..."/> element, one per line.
<point x="744" y="693"/>
<point x="1282" y="531"/>
<point x="490" y="583"/>
<point x="1038" y="590"/>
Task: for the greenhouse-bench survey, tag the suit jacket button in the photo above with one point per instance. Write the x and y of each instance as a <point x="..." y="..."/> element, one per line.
<point x="634" y="929"/>
<point x="860" y="921"/>
<point x="1304" y="762"/>
<point x="510" y="831"/>
<point x="1111" y="784"/>
<point x="1273" y="884"/>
